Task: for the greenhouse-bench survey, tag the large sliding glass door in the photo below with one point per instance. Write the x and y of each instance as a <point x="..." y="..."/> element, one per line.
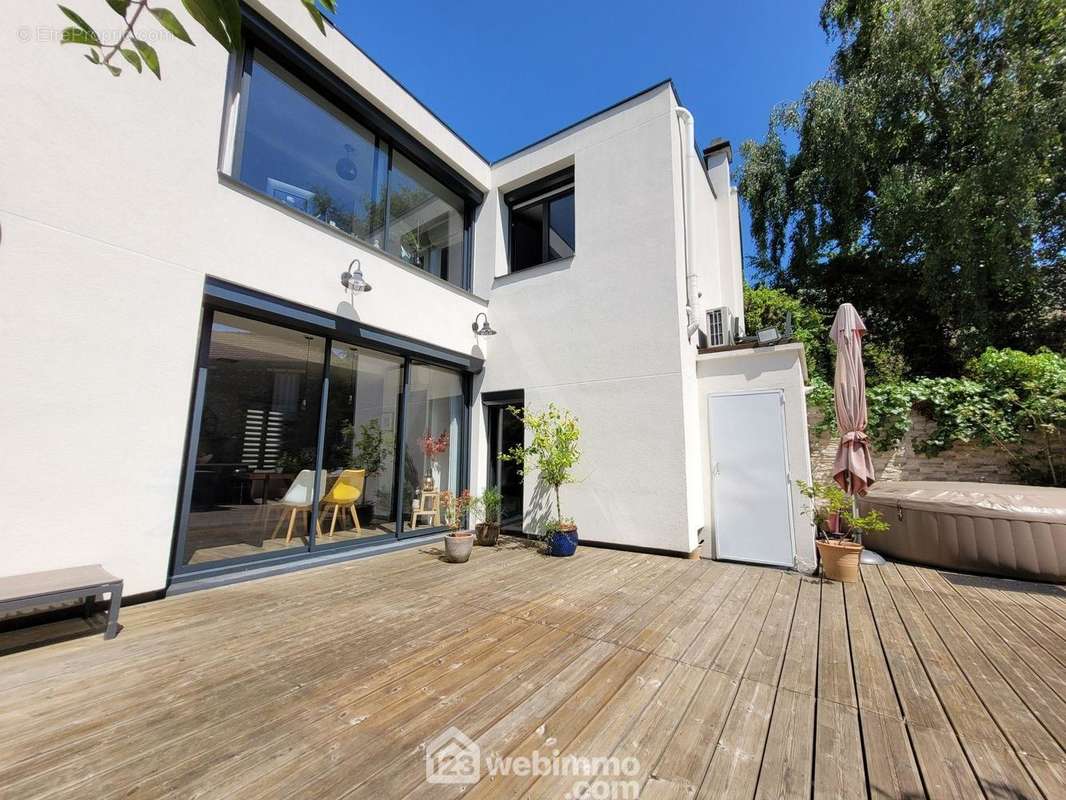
<point x="255" y="457"/>
<point x="302" y="441"/>
<point x="432" y="443"/>
<point x="359" y="451"/>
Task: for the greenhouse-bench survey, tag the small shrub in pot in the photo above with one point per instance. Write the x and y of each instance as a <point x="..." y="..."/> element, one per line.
<point x="838" y="528"/>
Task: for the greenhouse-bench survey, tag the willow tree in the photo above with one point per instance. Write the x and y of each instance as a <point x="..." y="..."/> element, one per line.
<point x="924" y="179"/>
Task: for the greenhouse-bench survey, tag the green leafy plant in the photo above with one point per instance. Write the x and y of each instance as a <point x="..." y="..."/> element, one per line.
<point x="923" y="179"/>
<point x="220" y="18"/>
<point x="766" y="307"/>
<point x="371" y="448"/>
<point x="490" y="504"/>
<point x="828" y="503"/>
<point x="871" y="522"/>
<point x="1005" y="399"/>
<point x="834" y="513"/>
<point x="552" y="452"/>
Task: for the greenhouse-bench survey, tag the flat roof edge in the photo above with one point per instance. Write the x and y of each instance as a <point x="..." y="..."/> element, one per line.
<point x="589" y="118"/>
<point x="407" y="91"/>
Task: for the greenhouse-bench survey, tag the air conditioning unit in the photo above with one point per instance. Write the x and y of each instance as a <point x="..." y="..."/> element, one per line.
<point x="719" y="327"/>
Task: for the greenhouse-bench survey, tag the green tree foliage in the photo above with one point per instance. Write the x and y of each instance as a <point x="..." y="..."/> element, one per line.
<point x="220" y="18"/>
<point x="1004" y="399"/>
<point x="766" y="307"/>
<point x="927" y="184"/>
<point x="552" y="450"/>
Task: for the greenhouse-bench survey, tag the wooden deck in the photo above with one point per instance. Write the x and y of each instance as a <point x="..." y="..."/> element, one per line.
<point x="721" y="680"/>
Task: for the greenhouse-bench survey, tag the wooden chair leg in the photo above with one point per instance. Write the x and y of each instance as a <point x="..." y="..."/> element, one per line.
<point x="292" y="522"/>
<point x="281" y="520"/>
<point x="333" y="522"/>
<point x="355" y="519"/>
<point x="318" y="523"/>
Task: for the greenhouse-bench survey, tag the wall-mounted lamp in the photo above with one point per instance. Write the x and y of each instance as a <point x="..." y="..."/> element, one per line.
<point x="353" y="279"/>
<point x="485" y="329"/>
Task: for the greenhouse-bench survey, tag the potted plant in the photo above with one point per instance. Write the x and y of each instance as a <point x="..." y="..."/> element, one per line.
<point x="838" y="528"/>
<point x="488" y="506"/>
<point x="371" y="451"/>
<point x="457" y="544"/>
<point x="553" y="452"/>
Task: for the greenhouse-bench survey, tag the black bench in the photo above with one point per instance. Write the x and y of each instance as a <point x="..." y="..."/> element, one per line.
<point x="90" y="582"/>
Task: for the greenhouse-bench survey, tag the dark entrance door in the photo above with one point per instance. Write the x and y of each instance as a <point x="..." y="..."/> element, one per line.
<point x="504" y="432"/>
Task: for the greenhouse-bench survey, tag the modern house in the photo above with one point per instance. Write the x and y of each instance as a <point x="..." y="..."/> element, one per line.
<point x="187" y="384"/>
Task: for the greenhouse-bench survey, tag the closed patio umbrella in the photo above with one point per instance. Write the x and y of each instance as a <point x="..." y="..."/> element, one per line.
<point x="853" y="467"/>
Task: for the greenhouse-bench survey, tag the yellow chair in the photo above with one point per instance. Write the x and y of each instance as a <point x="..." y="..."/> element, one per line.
<point x="345" y="493"/>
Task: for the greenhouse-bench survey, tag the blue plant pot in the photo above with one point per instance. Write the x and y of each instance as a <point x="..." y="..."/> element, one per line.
<point x="563" y="543"/>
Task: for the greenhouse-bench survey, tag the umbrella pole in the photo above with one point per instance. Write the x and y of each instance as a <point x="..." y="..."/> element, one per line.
<point x="868" y="557"/>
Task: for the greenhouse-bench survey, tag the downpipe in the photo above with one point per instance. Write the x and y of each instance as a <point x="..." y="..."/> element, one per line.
<point x="688" y="147"/>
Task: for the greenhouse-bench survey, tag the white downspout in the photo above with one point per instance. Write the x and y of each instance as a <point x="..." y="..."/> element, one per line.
<point x="688" y="147"/>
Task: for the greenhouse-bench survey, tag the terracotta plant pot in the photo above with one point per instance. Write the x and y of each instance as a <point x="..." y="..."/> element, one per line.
<point x="487" y="533"/>
<point x="840" y="560"/>
<point x="457" y="546"/>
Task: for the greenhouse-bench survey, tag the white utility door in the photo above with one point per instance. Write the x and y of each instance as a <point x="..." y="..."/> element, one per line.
<point x="749" y="478"/>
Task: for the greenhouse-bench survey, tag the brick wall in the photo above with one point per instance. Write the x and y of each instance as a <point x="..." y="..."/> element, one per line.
<point x="960" y="463"/>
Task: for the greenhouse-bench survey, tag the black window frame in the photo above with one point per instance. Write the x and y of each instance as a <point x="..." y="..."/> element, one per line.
<point x="225" y="297"/>
<point x="543" y="193"/>
<point x="259" y="34"/>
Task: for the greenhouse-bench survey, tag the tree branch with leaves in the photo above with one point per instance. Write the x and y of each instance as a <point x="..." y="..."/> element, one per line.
<point x="220" y="18"/>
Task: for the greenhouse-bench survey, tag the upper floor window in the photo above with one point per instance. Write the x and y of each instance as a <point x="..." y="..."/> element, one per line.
<point x="542" y="221"/>
<point x="299" y="148"/>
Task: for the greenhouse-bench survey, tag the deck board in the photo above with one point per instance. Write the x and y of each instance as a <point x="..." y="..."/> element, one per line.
<point x="712" y="679"/>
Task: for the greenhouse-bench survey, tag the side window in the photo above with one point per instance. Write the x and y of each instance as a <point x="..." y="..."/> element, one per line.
<point x="542" y="221"/>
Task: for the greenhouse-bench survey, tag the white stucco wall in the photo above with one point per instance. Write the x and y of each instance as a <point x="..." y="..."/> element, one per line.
<point x="112" y="211"/>
<point x="601" y="333"/>
<point x="729" y="272"/>
<point x="781" y="367"/>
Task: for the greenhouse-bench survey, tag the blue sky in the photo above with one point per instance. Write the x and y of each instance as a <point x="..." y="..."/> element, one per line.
<point x="504" y="74"/>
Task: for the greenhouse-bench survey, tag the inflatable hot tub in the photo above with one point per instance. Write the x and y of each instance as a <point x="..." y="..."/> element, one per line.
<point x="988" y="528"/>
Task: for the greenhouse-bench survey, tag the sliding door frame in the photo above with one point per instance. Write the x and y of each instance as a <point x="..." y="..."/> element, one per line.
<point x="222" y="296"/>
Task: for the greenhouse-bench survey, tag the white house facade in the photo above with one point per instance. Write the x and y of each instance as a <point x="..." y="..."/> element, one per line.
<point x="191" y="394"/>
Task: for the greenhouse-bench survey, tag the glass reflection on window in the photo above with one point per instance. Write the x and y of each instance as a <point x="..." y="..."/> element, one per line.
<point x="300" y="149"/>
<point x="432" y="448"/>
<point x="359" y="446"/>
<point x="303" y="152"/>
<point x="425" y="221"/>
<point x="255" y="457"/>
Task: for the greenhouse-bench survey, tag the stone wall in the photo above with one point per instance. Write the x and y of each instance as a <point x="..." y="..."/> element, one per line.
<point x="960" y="463"/>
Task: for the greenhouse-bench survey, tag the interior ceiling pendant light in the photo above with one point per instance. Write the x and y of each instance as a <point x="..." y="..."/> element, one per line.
<point x="353" y="279"/>
<point x="485" y="329"/>
<point x="346" y="168"/>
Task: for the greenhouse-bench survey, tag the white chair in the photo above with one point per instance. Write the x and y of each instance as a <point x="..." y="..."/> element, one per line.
<point x="300" y="496"/>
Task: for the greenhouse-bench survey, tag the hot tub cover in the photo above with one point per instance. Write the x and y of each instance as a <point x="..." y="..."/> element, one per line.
<point x="997" y="529"/>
